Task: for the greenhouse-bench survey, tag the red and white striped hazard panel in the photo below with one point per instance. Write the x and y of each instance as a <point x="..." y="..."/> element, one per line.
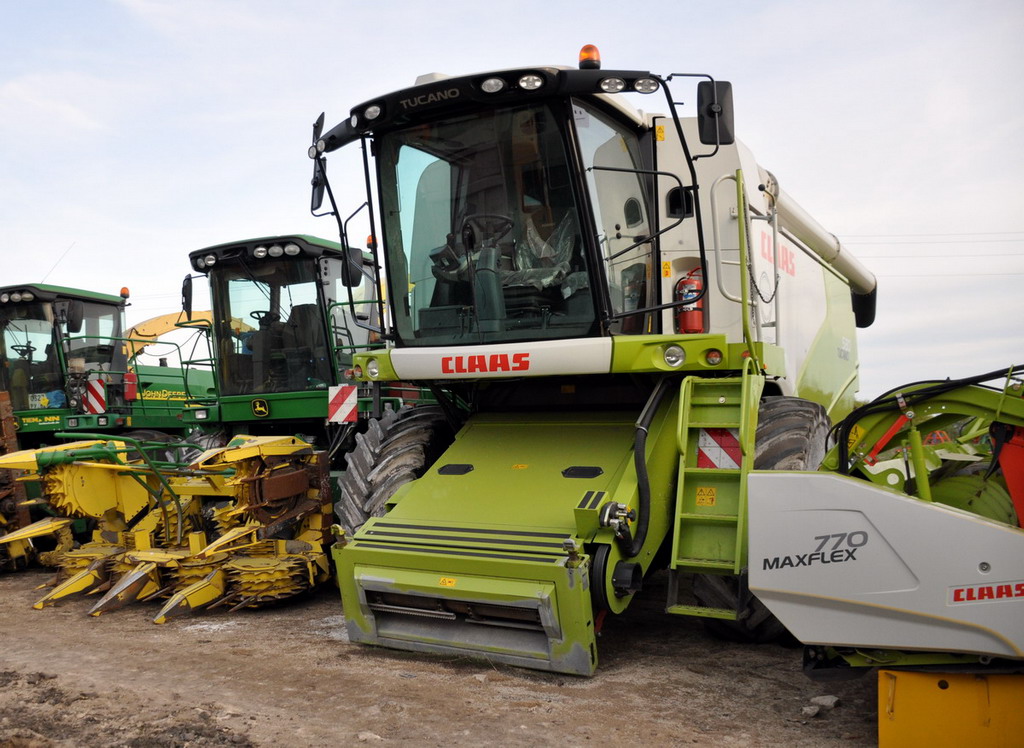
<point x="95" y="396"/>
<point x="342" y="404"/>
<point x="719" y="448"/>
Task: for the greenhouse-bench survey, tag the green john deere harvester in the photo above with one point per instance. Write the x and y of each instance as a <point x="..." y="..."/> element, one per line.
<point x="622" y="314"/>
<point x="68" y="364"/>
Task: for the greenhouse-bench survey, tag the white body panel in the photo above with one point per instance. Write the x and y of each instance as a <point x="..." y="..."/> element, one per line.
<point x="791" y="312"/>
<point x="846" y="563"/>
<point x="545" y="358"/>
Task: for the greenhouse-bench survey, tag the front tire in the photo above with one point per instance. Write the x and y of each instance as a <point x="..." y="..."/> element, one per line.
<point x="394" y="450"/>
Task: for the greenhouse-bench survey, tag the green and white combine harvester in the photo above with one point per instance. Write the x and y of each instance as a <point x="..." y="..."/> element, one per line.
<point x="639" y="343"/>
<point x="624" y="315"/>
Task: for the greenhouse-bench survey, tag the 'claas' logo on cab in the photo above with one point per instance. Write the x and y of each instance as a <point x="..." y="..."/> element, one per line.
<point x="484" y="364"/>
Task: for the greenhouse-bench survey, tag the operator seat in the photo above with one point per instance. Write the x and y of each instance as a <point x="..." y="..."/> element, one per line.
<point x="304" y="345"/>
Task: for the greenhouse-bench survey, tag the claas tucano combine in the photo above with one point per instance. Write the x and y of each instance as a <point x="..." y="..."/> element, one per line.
<point x="622" y="315"/>
<point x="644" y="357"/>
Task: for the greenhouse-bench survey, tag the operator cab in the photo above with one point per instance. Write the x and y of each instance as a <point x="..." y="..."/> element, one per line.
<point x="282" y="316"/>
<point x="47" y="331"/>
<point x="514" y="206"/>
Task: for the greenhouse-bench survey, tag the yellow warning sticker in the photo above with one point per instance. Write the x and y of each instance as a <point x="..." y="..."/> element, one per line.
<point x="659" y="133"/>
<point x="706" y="495"/>
<point x="856" y="434"/>
<point x="520" y="466"/>
<point x="446" y="582"/>
<point x="666" y="270"/>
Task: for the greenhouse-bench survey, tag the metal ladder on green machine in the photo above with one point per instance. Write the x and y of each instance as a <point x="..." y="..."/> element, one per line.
<point x="715" y="433"/>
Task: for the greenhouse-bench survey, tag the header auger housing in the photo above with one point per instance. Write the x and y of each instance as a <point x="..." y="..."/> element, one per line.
<point x="240" y="525"/>
<point x="909" y="546"/>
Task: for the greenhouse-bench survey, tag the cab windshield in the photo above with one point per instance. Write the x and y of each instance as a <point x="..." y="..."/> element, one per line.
<point x="482" y="231"/>
<point x="30" y="355"/>
<point x="29" y="364"/>
<point x="270" y="329"/>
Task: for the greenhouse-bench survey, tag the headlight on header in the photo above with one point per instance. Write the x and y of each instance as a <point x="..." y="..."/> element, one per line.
<point x="675" y="356"/>
<point x="202" y="414"/>
<point x="372" y="368"/>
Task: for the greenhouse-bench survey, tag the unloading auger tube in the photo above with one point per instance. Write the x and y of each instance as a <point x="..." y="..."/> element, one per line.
<point x="798" y="222"/>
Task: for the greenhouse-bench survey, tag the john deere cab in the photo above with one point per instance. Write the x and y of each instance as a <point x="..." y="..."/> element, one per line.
<point x="288" y="314"/>
<point x="67" y="364"/>
<point x="621" y="313"/>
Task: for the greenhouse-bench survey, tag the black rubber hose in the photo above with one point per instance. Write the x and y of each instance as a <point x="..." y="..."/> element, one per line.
<point x="643" y="481"/>
<point x="890" y="400"/>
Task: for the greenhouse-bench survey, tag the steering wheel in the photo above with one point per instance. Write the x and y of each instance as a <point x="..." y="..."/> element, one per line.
<point x="24" y="350"/>
<point x="486" y="226"/>
<point x="262" y="314"/>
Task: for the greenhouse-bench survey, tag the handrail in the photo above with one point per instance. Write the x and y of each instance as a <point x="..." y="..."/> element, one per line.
<point x="716" y="241"/>
<point x="741" y="202"/>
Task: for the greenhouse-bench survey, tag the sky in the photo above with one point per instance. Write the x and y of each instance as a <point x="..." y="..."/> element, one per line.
<point x="135" y="131"/>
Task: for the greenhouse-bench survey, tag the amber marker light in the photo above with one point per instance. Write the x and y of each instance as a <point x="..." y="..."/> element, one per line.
<point x="590" y="58"/>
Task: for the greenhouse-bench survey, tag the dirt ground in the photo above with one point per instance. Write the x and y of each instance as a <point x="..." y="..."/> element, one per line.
<point x="288" y="676"/>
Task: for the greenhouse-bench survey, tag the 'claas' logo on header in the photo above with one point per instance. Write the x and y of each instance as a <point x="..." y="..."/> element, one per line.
<point x="495" y="362"/>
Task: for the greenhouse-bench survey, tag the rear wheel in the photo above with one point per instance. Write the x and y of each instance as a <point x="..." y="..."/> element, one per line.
<point x="791" y="435"/>
<point x="393" y="451"/>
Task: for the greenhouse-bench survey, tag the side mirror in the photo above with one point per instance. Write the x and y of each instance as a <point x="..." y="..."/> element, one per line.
<point x="186" y="297"/>
<point x="319" y="180"/>
<point x="352" y="268"/>
<point x="76" y="314"/>
<point x="714" y="113"/>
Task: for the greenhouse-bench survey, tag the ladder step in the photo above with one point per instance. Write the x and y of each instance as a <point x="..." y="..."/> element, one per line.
<point x="726" y="614"/>
<point x="704" y="563"/>
<point x="729" y="519"/>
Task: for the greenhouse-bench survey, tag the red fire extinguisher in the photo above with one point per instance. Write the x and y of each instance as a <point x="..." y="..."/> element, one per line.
<point x="690" y="317"/>
<point x="131" y="385"/>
